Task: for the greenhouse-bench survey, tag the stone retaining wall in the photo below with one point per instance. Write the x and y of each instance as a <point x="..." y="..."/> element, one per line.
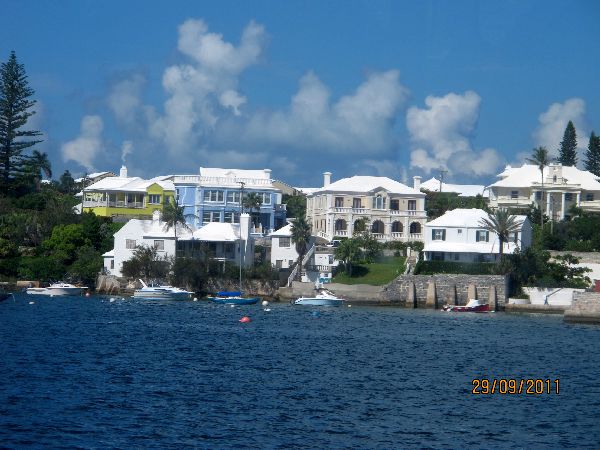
<point x="585" y="308"/>
<point x="436" y="290"/>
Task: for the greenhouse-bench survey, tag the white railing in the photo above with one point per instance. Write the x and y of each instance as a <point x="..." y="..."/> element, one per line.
<point x="415" y="236"/>
<point x="323" y="235"/>
<point x="397" y="235"/>
<point x="186" y="178"/>
<point x="341" y="233"/>
<point x="226" y="181"/>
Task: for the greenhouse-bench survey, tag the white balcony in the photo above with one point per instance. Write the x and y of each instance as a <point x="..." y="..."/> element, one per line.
<point x="341" y="233"/>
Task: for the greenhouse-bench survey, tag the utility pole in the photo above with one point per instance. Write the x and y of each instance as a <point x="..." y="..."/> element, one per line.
<point x="442" y="172"/>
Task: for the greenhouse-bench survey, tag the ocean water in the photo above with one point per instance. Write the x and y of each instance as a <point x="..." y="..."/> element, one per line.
<point x="91" y="373"/>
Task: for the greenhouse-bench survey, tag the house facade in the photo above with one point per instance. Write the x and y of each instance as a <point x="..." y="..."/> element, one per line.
<point x="125" y="197"/>
<point x="562" y="188"/>
<point x="458" y="236"/>
<point x="214" y="195"/>
<point x="390" y="210"/>
<point x="219" y="241"/>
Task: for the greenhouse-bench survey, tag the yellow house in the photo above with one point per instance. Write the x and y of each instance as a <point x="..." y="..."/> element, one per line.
<point x="126" y="197"/>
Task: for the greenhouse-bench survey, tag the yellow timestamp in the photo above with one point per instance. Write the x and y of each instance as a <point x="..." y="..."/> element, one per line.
<point x="515" y="386"/>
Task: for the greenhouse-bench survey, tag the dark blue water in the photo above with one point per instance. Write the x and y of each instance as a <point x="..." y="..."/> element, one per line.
<point x="90" y="373"/>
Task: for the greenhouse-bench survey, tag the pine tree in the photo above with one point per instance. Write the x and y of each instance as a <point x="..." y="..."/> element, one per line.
<point x="592" y="155"/>
<point x="567" y="153"/>
<point x="15" y="109"/>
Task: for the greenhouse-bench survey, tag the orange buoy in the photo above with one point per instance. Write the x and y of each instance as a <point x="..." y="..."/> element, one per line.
<point x="245" y="319"/>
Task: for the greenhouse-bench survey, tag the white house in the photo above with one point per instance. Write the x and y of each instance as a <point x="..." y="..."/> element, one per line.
<point x="458" y="236"/>
<point x="562" y="187"/>
<point x="283" y="250"/>
<point x="392" y="210"/>
<point x="224" y="241"/>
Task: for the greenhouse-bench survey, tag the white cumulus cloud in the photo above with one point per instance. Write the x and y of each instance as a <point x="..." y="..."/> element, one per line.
<point x="86" y="147"/>
<point x="441" y="136"/>
<point x="554" y="120"/>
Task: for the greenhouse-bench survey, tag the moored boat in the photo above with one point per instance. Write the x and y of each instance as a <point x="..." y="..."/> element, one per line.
<point x="162" y="292"/>
<point x="57" y="289"/>
<point x="472" y="306"/>
<point x="233" y="298"/>
<point x="322" y="298"/>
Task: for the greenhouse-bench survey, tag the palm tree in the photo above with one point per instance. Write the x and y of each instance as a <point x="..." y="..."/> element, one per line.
<point x="37" y="166"/>
<point x="541" y="159"/>
<point x="348" y="251"/>
<point x="301" y="238"/>
<point x="174" y="215"/>
<point x="252" y="202"/>
<point x="502" y="223"/>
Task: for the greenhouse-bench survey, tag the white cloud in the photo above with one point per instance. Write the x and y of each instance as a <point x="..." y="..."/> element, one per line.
<point x="86" y="147"/>
<point x="553" y="122"/>
<point x="124" y="99"/>
<point x="126" y="149"/>
<point x="441" y="136"/>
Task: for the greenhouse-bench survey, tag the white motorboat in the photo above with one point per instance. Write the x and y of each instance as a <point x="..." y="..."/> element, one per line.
<point x="323" y="298"/>
<point x="57" y="289"/>
<point x="162" y="292"/>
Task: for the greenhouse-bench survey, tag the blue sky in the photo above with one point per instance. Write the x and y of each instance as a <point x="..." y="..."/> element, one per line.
<point x="389" y="88"/>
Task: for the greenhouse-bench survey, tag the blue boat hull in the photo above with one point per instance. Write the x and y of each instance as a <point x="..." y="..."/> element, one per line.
<point x="319" y="302"/>
<point x="234" y="300"/>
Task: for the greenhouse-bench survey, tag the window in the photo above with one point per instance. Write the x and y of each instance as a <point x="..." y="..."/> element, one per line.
<point x="213" y="196"/>
<point x="229" y="249"/>
<point x="177" y="194"/>
<point x="233" y="196"/>
<point x="266" y="198"/>
<point x="459" y="231"/>
<point x="568" y="197"/>
<point x="211" y="216"/>
<point x="513" y="237"/>
<point x="130" y="243"/>
<point x="456" y="256"/>
<point x="538" y="195"/>
<point x="415" y="228"/>
<point x="356" y="203"/>
<point x="278" y="264"/>
<point x="159" y="245"/>
<point x="554" y="179"/>
<point x="395" y="205"/>
<point x="412" y="205"/>
<point x="339" y="202"/>
<point x="482" y="236"/>
<point x="340" y="225"/>
<point x="284" y="241"/>
<point x="232" y="217"/>
<point x="589" y="197"/>
<point x="397" y="227"/>
<point x="154" y="199"/>
<point x="112" y="263"/>
<point x="378" y="202"/>
<point x="438" y="235"/>
<point x="514" y="194"/>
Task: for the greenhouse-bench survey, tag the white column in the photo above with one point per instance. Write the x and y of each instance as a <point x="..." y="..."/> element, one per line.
<point x="579" y="199"/>
<point x="548" y="195"/>
<point x="562" y="206"/>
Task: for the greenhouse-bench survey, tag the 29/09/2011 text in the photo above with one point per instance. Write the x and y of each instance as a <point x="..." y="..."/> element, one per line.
<point x="514" y="386"/>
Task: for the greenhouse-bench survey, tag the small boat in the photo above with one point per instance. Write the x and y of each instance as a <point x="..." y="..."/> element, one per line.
<point x="162" y="292"/>
<point x="5" y="295"/>
<point x="57" y="289"/>
<point x="323" y="298"/>
<point x="233" y="298"/>
<point x="472" y="306"/>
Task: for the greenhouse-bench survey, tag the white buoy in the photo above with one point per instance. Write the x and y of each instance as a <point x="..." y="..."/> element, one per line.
<point x="267" y="309"/>
<point x="195" y="299"/>
<point x="233" y="306"/>
<point x="349" y="306"/>
<point x="265" y="303"/>
<point x="112" y="299"/>
<point x="31" y="303"/>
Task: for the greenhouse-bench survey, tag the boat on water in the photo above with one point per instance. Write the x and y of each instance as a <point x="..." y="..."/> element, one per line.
<point x="232" y="298"/>
<point x="57" y="289"/>
<point x="472" y="306"/>
<point x="162" y="292"/>
<point x="5" y="295"/>
<point x="322" y="298"/>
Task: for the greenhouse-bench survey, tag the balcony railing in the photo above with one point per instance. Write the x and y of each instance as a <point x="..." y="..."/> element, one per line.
<point x="378" y="212"/>
<point x="341" y="233"/>
<point x="123" y="204"/>
<point x="227" y="181"/>
<point x="186" y="179"/>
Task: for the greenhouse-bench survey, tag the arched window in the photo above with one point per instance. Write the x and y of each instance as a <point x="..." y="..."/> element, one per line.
<point x="377" y="227"/>
<point x="397" y="227"/>
<point x="415" y="228"/>
<point x="340" y="225"/>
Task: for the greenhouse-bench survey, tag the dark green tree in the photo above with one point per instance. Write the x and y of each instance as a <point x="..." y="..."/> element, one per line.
<point x="348" y="251"/>
<point x="541" y="159"/>
<point x="301" y="238"/>
<point x="174" y="216"/>
<point x="295" y="205"/>
<point x="501" y="223"/>
<point x="15" y="110"/>
<point x="145" y="262"/>
<point x="252" y="202"/>
<point x="66" y="183"/>
<point x="592" y="155"/>
<point x="567" y="153"/>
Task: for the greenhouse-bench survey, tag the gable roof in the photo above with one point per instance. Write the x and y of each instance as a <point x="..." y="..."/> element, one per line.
<point x="367" y="184"/>
<point x="216" y="232"/>
<point x="285" y="231"/>
<point x="528" y="174"/>
<point x="130" y="184"/>
<point x="463" y="218"/>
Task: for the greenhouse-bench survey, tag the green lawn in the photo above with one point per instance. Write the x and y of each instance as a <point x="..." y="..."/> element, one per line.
<point x="376" y="274"/>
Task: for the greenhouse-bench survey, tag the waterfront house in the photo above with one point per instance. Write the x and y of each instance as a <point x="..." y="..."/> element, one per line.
<point x="458" y="236"/>
<point x="223" y="242"/>
<point x="392" y="211"/>
<point x="462" y="190"/>
<point x="562" y="188"/>
<point x="214" y="196"/>
<point x="125" y="197"/>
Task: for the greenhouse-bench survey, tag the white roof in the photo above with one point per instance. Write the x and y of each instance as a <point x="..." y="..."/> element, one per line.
<point x="479" y="247"/>
<point x="130" y="184"/>
<point x="234" y="173"/>
<point x="91" y="176"/>
<point x="528" y="174"/>
<point x="463" y="218"/>
<point x="216" y="232"/>
<point x="109" y="254"/>
<point x="367" y="184"/>
<point x="463" y="190"/>
<point x="307" y="191"/>
<point x="257" y="179"/>
<point x="285" y="231"/>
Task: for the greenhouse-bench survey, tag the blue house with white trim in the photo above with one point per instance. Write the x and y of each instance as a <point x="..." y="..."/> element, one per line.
<point x="214" y="196"/>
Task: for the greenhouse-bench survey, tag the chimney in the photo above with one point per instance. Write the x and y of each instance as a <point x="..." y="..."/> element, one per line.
<point x="267" y="173"/>
<point x="123" y="173"/>
<point x="244" y="235"/>
<point x="326" y="179"/>
<point x="417" y="182"/>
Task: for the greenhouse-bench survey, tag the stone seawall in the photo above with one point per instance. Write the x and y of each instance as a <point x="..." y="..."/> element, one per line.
<point x="433" y="291"/>
<point x="585" y="308"/>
